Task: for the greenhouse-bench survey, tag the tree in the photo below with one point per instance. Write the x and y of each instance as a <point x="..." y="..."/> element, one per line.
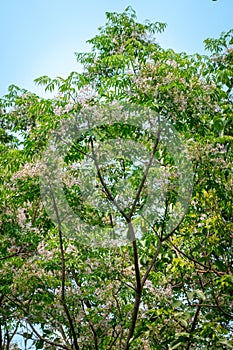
<point x="170" y="289"/>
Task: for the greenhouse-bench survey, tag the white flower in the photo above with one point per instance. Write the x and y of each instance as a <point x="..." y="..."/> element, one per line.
<point x="57" y="111"/>
<point x="21" y="216"/>
<point x="28" y="170"/>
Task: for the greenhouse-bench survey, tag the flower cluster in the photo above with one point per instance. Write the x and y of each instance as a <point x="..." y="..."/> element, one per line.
<point x="27" y="170"/>
<point x="85" y="94"/>
<point x="60" y="110"/>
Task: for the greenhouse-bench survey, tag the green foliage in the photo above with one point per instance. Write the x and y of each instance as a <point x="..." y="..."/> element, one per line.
<point x="62" y="294"/>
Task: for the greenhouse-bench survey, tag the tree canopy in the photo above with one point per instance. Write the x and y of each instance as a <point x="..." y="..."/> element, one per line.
<point x="112" y="129"/>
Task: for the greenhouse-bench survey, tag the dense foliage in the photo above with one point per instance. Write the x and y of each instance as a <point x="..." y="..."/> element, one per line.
<point x="167" y="290"/>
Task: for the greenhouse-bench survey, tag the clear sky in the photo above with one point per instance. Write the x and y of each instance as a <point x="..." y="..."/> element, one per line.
<point x="39" y="37"/>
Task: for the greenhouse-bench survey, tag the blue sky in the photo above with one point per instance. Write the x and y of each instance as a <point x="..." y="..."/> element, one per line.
<point x="40" y="37"/>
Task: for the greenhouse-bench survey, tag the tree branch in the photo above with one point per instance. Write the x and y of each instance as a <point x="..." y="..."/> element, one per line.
<point x="194" y="325"/>
<point x="138" y="287"/>
<point x="63" y="296"/>
<point x="152" y="263"/>
<point x="140" y="188"/>
<point x="46" y="340"/>
<point x="107" y="192"/>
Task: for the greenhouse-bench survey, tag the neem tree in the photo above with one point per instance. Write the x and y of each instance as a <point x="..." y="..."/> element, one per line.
<point x="172" y="287"/>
